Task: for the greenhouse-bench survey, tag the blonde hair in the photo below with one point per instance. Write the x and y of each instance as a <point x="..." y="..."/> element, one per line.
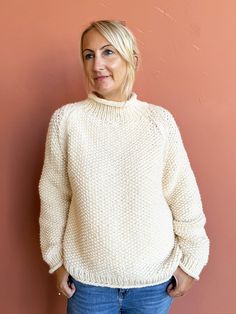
<point x="124" y="42"/>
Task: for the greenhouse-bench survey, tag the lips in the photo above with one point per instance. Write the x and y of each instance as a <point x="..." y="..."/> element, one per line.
<point x="101" y="77"/>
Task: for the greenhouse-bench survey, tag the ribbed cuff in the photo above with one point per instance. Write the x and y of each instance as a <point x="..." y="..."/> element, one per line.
<point x="55" y="267"/>
<point x="191" y="266"/>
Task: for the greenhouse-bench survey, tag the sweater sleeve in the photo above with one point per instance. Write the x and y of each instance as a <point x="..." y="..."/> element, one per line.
<point x="55" y="194"/>
<point x="183" y="197"/>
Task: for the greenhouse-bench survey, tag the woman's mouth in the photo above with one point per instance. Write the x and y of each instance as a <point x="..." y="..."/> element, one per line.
<point x="101" y="78"/>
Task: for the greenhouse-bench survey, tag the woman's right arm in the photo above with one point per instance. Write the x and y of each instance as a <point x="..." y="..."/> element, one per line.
<point x="54" y="192"/>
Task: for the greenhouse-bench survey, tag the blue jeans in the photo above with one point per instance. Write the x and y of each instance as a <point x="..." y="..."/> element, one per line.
<point x="89" y="299"/>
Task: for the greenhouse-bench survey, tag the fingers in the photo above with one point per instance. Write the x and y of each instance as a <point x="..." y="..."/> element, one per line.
<point x="175" y="289"/>
<point x="67" y="290"/>
<point x="179" y="287"/>
<point x="174" y="292"/>
<point x="66" y="287"/>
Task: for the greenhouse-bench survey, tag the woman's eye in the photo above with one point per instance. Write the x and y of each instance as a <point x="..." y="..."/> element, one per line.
<point x="88" y="56"/>
<point x="108" y="52"/>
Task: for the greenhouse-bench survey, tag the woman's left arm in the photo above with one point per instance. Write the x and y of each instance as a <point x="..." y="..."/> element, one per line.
<point x="182" y="194"/>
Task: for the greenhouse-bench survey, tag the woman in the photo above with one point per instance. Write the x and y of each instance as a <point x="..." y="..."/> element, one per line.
<point x="121" y="222"/>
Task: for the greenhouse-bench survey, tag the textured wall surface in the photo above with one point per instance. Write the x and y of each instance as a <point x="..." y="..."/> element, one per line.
<point x="188" y="66"/>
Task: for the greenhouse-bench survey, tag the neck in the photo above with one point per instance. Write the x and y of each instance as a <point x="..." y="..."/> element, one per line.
<point x="119" y="98"/>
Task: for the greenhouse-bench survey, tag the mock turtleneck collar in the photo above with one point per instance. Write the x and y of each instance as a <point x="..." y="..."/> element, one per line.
<point x="92" y="96"/>
<point x="129" y="111"/>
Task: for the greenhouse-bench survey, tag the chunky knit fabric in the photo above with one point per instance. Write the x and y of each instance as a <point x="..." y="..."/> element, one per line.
<point x="120" y="206"/>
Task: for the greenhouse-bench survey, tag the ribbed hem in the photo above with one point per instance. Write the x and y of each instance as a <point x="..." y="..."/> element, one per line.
<point x="164" y="273"/>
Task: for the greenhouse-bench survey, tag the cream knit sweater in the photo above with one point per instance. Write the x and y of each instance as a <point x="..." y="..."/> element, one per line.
<point x="120" y="206"/>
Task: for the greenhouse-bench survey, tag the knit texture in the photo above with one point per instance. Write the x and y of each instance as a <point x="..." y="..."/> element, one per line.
<point x="120" y="205"/>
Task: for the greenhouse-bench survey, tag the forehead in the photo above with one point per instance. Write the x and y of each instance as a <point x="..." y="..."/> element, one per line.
<point x="94" y="40"/>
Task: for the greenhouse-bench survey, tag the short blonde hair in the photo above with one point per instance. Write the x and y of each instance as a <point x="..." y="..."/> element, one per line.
<point x="124" y="42"/>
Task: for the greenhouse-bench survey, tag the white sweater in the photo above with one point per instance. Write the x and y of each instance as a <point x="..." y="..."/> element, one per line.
<point x="120" y="206"/>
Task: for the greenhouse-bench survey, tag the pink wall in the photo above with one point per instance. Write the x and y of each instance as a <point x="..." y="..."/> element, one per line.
<point x="189" y="66"/>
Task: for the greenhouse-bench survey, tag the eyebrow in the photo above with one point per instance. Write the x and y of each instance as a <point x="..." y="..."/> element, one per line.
<point x="100" y="48"/>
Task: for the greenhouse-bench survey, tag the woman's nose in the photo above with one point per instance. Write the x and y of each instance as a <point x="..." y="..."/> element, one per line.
<point x="98" y="63"/>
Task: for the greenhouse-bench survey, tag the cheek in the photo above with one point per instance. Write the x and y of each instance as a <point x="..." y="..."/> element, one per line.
<point x="119" y="69"/>
<point x="87" y="72"/>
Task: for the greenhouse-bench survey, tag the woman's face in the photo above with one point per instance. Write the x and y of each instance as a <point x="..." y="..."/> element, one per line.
<point x="104" y="67"/>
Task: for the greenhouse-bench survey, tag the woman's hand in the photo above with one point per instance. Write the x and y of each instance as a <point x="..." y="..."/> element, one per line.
<point x="184" y="283"/>
<point x="68" y="289"/>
